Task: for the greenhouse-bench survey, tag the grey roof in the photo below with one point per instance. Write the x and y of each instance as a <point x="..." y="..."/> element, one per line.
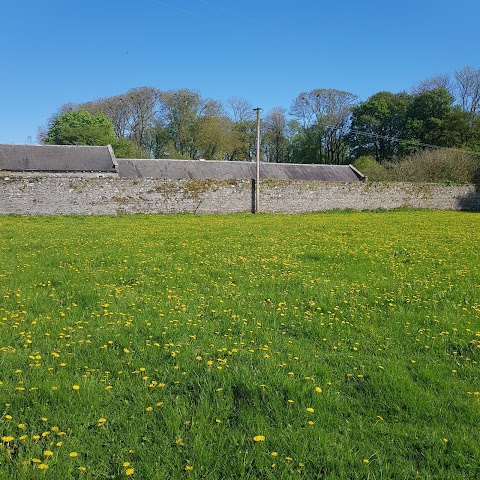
<point x="218" y="170"/>
<point x="56" y="158"/>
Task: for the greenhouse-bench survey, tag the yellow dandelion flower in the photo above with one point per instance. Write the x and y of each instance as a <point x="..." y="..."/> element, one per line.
<point x="73" y="454"/>
<point x="366" y="461"/>
<point x="8" y="417"/>
<point x="318" y="389"/>
<point x="36" y="460"/>
<point x="47" y="453"/>
<point x="125" y="464"/>
<point x="258" y="438"/>
<point x="149" y="409"/>
<point x="274" y="454"/>
<point x="129" y="471"/>
<point x="82" y="469"/>
<point x="310" y="410"/>
<point x="42" y="466"/>
<point x="7" y="439"/>
<point x="22" y="426"/>
<point x="188" y="468"/>
<point x="76" y="387"/>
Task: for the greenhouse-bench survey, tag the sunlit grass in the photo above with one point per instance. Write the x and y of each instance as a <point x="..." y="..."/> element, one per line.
<point x="337" y="345"/>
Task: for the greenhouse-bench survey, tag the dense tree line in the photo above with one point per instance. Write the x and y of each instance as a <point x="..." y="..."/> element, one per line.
<point x="321" y="126"/>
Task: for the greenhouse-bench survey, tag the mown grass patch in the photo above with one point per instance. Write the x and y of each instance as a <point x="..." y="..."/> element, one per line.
<point x="334" y="345"/>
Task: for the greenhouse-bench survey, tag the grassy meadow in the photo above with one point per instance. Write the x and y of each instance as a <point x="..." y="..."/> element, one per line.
<point x="322" y="346"/>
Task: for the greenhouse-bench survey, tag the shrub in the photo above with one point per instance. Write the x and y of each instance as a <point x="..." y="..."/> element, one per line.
<point x="437" y="166"/>
<point x="373" y="170"/>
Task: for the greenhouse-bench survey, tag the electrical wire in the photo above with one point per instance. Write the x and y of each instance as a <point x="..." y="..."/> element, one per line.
<point x="398" y="140"/>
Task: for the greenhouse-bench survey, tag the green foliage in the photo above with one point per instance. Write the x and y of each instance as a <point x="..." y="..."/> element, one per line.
<point x="336" y="346"/>
<point x="427" y="117"/>
<point x="437" y="166"/>
<point x="80" y="127"/>
<point x="373" y="170"/>
<point x="126" y="148"/>
<point x="306" y="144"/>
<point x="323" y="125"/>
<point x="377" y="123"/>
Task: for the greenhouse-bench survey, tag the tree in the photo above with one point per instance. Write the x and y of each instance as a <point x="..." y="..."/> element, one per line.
<point x="141" y="105"/>
<point x="79" y="127"/>
<point x="178" y="115"/>
<point x="275" y="141"/>
<point x="328" y="111"/>
<point x="305" y="143"/>
<point x="432" y="83"/>
<point x="132" y="114"/>
<point x="243" y="129"/>
<point x="428" y="118"/>
<point x="214" y="137"/>
<point x="378" y="124"/>
<point x="468" y="89"/>
<point x="241" y="109"/>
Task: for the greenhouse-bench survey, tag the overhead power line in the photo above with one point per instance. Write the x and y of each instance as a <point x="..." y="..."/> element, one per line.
<point x="398" y="140"/>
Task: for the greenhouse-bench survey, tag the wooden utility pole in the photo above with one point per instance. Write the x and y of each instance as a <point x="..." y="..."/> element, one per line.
<point x="257" y="176"/>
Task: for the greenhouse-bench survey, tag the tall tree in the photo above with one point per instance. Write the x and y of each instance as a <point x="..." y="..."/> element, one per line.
<point x="179" y="114"/>
<point x="275" y="141"/>
<point x="243" y="128"/>
<point x="79" y="127"/>
<point x="214" y="137"/>
<point x="241" y="109"/>
<point x="432" y="83"/>
<point x="305" y="143"/>
<point x="378" y="124"/>
<point x="427" y="117"/>
<point x="468" y="89"/>
<point x="329" y="110"/>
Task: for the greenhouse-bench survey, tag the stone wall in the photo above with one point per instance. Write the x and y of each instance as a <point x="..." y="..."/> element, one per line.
<point x="107" y="194"/>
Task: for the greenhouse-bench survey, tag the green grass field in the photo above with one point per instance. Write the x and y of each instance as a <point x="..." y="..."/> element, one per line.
<point x="320" y="346"/>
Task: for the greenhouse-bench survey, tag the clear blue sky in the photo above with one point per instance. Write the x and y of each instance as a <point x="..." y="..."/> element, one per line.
<point x="55" y="51"/>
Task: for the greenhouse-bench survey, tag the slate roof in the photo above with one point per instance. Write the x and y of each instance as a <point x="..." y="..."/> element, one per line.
<point x="51" y="158"/>
<point x="218" y="170"/>
<point x="79" y="158"/>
